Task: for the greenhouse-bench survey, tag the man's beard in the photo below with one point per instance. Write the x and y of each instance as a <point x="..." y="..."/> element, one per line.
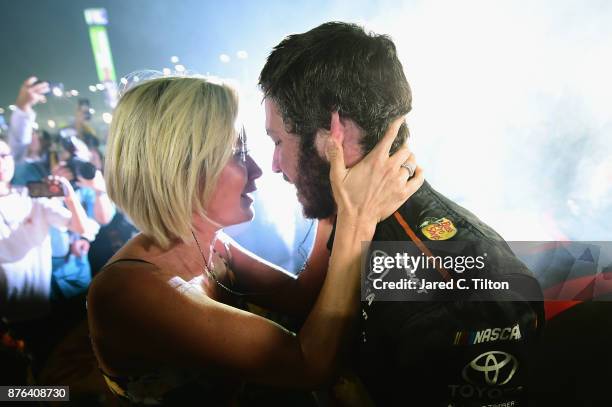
<point x="313" y="183"/>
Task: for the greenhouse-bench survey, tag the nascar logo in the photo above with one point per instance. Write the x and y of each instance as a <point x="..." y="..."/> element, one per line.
<point x="512" y="333"/>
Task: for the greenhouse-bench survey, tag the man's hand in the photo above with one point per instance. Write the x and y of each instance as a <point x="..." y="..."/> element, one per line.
<point x="31" y="93"/>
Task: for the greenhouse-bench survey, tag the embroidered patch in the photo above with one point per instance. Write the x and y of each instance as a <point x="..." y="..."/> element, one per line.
<point x="438" y="229"/>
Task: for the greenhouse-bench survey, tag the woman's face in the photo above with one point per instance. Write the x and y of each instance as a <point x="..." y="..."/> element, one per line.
<point x="7" y="165"/>
<point x="230" y="203"/>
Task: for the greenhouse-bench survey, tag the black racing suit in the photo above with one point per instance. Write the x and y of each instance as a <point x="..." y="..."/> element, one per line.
<point x="449" y="353"/>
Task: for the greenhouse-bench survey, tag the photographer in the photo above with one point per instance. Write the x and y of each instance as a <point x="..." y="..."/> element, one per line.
<point x="25" y="244"/>
<point x="69" y="158"/>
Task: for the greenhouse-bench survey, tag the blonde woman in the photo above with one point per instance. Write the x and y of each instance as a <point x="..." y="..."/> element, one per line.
<point x="166" y="316"/>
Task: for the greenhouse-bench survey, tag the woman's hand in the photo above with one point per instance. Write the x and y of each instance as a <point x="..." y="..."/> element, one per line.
<point x="378" y="185"/>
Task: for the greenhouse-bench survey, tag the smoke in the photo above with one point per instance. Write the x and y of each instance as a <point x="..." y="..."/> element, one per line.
<point x="512" y="114"/>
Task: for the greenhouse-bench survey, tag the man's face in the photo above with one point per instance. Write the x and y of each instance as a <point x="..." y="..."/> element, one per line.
<point x="300" y="165"/>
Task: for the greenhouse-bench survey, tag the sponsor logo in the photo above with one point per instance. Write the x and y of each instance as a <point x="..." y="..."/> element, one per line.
<point x="438" y="229"/>
<point x="467" y="391"/>
<point x="493" y="368"/>
<point x="511" y="333"/>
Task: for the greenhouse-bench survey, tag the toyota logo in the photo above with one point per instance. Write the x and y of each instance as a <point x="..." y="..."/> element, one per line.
<point x="495" y="367"/>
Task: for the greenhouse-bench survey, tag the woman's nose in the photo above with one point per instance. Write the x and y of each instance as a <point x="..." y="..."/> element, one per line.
<point x="254" y="169"/>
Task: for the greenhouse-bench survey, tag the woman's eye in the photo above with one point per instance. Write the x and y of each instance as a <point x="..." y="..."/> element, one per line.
<point x="277" y="142"/>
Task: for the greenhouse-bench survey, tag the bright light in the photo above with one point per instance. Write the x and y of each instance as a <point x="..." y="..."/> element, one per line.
<point x="136" y="78"/>
<point x="123" y="81"/>
<point x="1" y="110"/>
<point x="167" y="71"/>
<point x="92" y="88"/>
<point x="35" y="126"/>
<point x="242" y="55"/>
<point x="100" y="86"/>
<point x="174" y="59"/>
<point x="12" y="108"/>
<point x="179" y="68"/>
<point x="107" y="117"/>
<point x="224" y="58"/>
<point x="51" y="123"/>
<point x="92" y="110"/>
<point x="57" y="92"/>
<point x="74" y="92"/>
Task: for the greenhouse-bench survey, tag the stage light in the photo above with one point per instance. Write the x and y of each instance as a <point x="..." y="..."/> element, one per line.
<point x="179" y="68"/>
<point x="12" y="108"/>
<point x="242" y="55"/>
<point x="1" y="110"/>
<point x="74" y="92"/>
<point x="92" y="88"/>
<point x="51" y="123"/>
<point x="167" y="71"/>
<point x="174" y="59"/>
<point x="224" y="58"/>
<point x="107" y="117"/>
<point x="100" y="86"/>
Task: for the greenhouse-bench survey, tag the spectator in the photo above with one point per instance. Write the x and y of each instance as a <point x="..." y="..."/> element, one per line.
<point x="70" y="265"/>
<point x="25" y="244"/>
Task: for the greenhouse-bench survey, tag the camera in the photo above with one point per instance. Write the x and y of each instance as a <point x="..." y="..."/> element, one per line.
<point x="78" y="166"/>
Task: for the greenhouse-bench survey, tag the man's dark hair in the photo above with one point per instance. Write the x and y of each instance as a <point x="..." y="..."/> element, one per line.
<point x="337" y="66"/>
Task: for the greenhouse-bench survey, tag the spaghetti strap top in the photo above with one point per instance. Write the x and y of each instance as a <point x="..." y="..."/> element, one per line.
<point x="170" y="386"/>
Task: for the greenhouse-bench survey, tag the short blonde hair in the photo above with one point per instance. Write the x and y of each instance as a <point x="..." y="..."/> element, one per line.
<point x="169" y="140"/>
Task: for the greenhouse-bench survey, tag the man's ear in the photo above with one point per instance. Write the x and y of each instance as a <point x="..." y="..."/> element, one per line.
<point x="337" y="129"/>
<point x="337" y="132"/>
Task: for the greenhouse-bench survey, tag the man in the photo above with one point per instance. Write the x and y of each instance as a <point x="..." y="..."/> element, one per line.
<point x="338" y="78"/>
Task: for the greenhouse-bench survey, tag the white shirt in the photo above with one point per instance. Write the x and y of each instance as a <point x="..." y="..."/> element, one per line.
<point x="20" y="133"/>
<point x="25" y="253"/>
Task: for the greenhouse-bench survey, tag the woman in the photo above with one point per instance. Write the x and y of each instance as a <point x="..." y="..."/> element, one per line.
<point x="165" y="315"/>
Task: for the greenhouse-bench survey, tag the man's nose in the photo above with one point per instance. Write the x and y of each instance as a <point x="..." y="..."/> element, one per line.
<point x="276" y="162"/>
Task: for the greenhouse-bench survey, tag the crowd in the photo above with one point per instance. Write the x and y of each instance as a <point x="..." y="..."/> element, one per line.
<point x="57" y="221"/>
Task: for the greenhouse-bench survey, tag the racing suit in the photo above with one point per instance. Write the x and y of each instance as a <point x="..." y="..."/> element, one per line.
<point x="450" y="352"/>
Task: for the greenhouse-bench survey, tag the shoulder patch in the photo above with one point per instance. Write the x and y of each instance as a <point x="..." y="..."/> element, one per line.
<point x="438" y="228"/>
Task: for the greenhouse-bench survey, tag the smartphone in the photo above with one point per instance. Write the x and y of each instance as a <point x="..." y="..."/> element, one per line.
<point x="44" y="189"/>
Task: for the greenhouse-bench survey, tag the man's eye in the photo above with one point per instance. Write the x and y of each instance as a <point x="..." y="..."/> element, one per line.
<point x="277" y="142"/>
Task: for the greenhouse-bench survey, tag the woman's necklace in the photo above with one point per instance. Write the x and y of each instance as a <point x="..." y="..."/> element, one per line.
<point x="210" y="273"/>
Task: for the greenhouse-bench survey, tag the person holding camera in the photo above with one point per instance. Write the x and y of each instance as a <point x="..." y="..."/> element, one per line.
<point x="25" y="242"/>
<point x="69" y="157"/>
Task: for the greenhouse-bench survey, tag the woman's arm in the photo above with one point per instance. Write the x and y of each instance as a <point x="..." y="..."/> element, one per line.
<point x="136" y="316"/>
<point x="276" y="288"/>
